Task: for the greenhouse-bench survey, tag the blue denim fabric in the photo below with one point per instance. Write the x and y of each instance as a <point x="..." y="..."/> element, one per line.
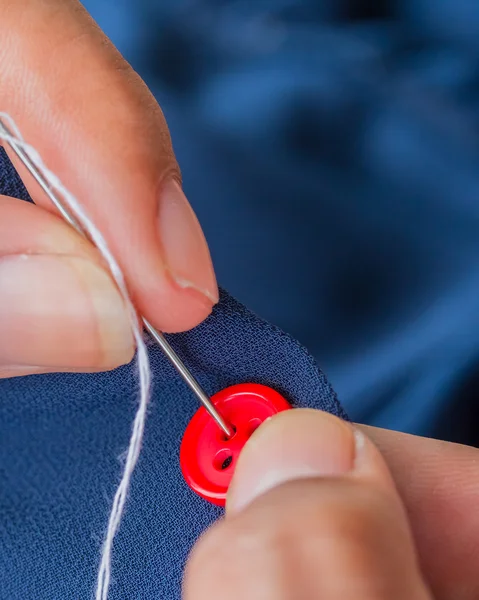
<point x="61" y="436"/>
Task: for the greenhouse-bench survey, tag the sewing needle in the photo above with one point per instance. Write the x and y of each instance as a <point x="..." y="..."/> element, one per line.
<point x="155" y="334"/>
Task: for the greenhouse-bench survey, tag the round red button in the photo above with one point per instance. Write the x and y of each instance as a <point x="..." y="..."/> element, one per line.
<point x="207" y="457"/>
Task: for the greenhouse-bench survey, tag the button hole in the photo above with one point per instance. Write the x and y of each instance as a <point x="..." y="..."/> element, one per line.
<point x="223" y="460"/>
<point x="226" y="463"/>
<point x="225" y="438"/>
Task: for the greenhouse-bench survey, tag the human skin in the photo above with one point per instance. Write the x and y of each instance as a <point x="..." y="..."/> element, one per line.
<point x="96" y="124"/>
<point x="316" y="510"/>
<point x="321" y="509"/>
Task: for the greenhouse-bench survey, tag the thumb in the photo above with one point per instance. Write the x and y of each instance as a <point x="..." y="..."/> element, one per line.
<point x="98" y="127"/>
<point x="312" y="513"/>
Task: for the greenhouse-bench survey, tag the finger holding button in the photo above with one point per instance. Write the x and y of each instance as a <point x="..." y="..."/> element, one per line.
<point x="312" y="512"/>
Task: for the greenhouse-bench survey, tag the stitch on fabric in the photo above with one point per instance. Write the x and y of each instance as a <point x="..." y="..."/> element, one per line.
<point x="136" y="438"/>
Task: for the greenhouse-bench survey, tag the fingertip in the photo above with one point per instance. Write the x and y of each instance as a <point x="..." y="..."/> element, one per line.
<point x="303" y="444"/>
<point x="77" y="320"/>
<point x="165" y="258"/>
<point x="185" y="250"/>
<point x="174" y="310"/>
<point x="186" y="290"/>
<point x="296" y="444"/>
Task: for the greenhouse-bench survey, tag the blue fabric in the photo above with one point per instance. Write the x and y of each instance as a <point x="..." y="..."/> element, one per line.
<point x="330" y="150"/>
<point x="60" y="436"/>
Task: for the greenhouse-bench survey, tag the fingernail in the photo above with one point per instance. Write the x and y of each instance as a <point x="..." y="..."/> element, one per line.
<point x="61" y="311"/>
<point x="187" y="255"/>
<point x="293" y="445"/>
<point x="19" y="371"/>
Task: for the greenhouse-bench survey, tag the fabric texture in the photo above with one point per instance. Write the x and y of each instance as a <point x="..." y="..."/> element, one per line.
<point x="61" y="436"/>
<point x="330" y="150"/>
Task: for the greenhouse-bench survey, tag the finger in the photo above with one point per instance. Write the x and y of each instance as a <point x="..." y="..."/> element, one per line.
<point x="59" y="308"/>
<point x="312" y="513"/>
<point x="439" y="484"/>
<point x="97" y="126"/>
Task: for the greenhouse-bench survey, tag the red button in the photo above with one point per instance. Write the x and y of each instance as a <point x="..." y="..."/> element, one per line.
<point x="207" y="457"/>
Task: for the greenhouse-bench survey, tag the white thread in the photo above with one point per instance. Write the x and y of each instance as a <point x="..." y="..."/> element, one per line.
<point x="133" y="451"/>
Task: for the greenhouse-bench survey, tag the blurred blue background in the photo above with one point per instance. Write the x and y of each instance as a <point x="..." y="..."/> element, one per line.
<point x="331" y="151"/>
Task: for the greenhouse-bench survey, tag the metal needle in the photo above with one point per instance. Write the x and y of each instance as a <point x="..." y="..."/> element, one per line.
<point x="156" y="335"/>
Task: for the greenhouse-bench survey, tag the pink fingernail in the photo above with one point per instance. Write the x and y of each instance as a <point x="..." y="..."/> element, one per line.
<point x="61" y="311"/>
<point x="187" y="255"/>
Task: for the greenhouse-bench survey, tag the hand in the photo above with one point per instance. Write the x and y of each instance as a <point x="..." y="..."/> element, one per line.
<point x="98" y="128"/>
<point x="319" y="510"/>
